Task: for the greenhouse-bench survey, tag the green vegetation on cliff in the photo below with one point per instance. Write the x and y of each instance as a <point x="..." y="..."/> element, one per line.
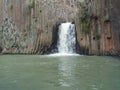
<point x="106" y="18"/>
<point x="85" y="22"/>
<point x="31" y="4"/>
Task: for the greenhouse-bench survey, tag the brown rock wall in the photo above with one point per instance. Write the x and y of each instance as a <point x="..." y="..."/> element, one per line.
<point x="104" y="27"/>
<point x="27" y="25"/>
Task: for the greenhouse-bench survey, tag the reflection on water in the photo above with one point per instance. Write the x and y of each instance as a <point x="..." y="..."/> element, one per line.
<point x="66" y="71"/>
<point x="59" y="73"/>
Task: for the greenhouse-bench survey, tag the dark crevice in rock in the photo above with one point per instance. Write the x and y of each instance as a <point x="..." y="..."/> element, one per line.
<point x="1" y="49"/>
<point x="84" y="50"/>
<point x="53" y="46"/>
<point x="78" y="51"/>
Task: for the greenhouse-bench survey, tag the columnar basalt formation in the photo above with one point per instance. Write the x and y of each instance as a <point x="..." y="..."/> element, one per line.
<point x="100" y="34"/>
<point x="29" y="26"/>
<point x="26" y="26"/>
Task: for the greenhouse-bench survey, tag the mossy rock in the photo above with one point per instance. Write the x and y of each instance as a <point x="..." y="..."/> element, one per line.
<point x="85" y="20"/>
<point x="31" y="3"/>
<point x="98" y="36"/>
<point x="85" y="17"/>
<point x="107" y="18"/>
<point x="85" y="28"/>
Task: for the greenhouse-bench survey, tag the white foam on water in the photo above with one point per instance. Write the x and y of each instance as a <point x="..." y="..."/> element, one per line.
<point x="63" y="54"/>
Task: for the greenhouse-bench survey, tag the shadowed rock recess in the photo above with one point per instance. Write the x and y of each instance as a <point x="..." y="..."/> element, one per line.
<point x="31" y="26"/>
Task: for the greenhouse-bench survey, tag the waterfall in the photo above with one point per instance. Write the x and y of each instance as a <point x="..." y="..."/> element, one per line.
<point x="66" y="38"/>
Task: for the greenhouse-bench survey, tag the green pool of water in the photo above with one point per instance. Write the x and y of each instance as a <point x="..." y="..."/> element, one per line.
<point x="35" y="72"/>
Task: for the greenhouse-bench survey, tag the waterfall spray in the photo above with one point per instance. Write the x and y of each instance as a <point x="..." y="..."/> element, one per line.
<point x="67" y="39"/>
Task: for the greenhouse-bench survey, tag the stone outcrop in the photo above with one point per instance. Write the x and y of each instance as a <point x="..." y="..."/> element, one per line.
<point x="100" y="32"/>
<point x="30" y="26"/>
<point x="26" y="26"/>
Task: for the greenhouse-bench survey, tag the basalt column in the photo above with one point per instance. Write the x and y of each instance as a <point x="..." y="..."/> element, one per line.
<point x="99" y="20"/>
<point x="26" y="26"/>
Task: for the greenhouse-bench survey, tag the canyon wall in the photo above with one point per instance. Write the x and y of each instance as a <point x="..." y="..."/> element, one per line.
<point x="26" y="26"/>
<point x="29" y="26"/>
<point x="100" y="27"/>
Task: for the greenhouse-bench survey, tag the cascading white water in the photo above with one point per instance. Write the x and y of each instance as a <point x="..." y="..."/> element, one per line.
<point x="67" y="39"/>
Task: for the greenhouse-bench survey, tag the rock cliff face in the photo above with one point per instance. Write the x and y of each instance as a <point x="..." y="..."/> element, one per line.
<point x="100" y="26"/>
<point x="26" y="26"/>
<point x="30" y="26"/>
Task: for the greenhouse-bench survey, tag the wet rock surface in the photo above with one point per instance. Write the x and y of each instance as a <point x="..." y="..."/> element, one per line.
<point x="101" y="29"/>
<point x="27" y="25"/>
<point x="30" y="26"/>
